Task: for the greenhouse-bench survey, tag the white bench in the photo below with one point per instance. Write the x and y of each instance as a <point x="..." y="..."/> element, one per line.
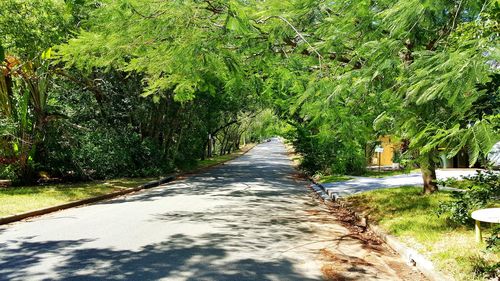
<point x="491" y="215"/>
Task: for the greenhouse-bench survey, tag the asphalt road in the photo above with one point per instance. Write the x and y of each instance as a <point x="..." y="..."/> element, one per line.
<point x="250" y="219"/>
<point x="362" y="184"/>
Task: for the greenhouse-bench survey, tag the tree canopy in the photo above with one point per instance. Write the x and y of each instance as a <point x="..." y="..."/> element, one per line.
<point x="151" y="85"/>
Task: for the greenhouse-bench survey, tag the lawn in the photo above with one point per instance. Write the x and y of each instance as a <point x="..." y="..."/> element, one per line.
<point x="371" y="174"/>
<point x="331" y="178"/>
<point x="382" y="174"/>
<point x="410" y="216"/>
<point x="220" y="159"/>
<point x="458" y="183"/>
<point x="15" y="200"/>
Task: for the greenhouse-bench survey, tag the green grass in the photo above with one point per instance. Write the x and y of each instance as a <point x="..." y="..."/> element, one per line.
<point x="382" y="174"/>
<point x="372" y="174"/>
<point x="332" y="178"/>
<point x="14" y="200"/>
<point x="218" y="159"/>
<point x="459" y="183"/>
<point x="405" y="213"/>
<point x="214" y="161"/>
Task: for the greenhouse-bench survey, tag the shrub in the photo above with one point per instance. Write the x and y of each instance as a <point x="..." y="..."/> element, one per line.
<point x="8" y="171"/>
<point x="493" y="242"/>
<point x="483" y="269"/>
<point x="481" y="190"/>
<point x="397" y="156"/>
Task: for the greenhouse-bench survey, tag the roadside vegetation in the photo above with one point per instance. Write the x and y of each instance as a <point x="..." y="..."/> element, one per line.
<point x="382" y="174"/>
<point x="19" y="199"/>
<point x="330" y="178"/>
<point x="15" y="200"/>
<point x="439" y="225"/>
<point x="326" y="177"/>
<point x="216" y="160"/>
<point x="95" y="90"/>
<point x="137" y="88"/>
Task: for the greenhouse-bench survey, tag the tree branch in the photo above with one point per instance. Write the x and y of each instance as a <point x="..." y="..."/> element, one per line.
<point x="320" y="57"/>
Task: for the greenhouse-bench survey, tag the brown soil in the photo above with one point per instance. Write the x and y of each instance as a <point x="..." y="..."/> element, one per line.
<point x="358" y="253"/>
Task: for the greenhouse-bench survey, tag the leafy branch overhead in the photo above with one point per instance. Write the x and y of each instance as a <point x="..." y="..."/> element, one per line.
<point x="338" y="74"/>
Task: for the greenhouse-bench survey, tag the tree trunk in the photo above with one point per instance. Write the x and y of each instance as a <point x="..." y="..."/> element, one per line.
<point x="223" y="145"/>
<point x="210" y="146"/>
<point x="428" y="167"/>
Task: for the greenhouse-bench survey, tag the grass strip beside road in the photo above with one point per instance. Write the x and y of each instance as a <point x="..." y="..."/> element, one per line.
<point x="207" y="163"/>
<point x="16" y="200"/>
<point x="331" y="178"/>
<point x="407" y="214"/>
<point x="389" y="173"/>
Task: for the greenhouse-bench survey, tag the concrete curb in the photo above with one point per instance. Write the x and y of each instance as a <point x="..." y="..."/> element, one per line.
<point x="39" y="212"/>
<point x="319" y="192"/>
<point x="411" y="256"/>
<point x="328" y="193"/>
<point x="151" y="184"/>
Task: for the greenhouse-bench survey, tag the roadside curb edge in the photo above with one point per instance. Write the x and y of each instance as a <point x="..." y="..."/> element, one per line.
<point x="148" y="185"/>
<point x="199" y="170"/>
<point x="43" y="211"/>
<point x="409" y="255"/>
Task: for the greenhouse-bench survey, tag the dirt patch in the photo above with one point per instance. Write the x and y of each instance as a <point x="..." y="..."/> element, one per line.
<point x="336" y="267"/>
<point x="331" y="274"/>
<point x="313" y="212"/>
<point x="354" y="252"/>
<point x="357" y="253"/>
<point x="297" y="177"/>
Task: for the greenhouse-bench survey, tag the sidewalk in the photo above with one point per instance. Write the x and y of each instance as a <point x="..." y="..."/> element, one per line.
<point x="362" y="184"/>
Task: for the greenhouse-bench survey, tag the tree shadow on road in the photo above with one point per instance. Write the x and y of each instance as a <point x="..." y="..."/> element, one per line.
<point x="270" y="202"/>
<point x="180" y="257"/>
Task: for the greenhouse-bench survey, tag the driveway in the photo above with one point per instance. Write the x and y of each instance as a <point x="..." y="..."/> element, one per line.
<point x="250" y="219"/>
<point x="361" y="184"/>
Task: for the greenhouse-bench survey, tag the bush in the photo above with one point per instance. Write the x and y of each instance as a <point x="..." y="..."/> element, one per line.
<point x="481" y="190"/>
<point x="8" y="172"/>
<point x="493" y="242"/>
<point x="397" y="156"/>
<point x="483" y="269"/>
<point x="101" y="153"/>
<point x="328" y="154"/>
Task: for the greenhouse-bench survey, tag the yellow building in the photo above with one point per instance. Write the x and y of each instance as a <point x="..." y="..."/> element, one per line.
<point x="389" y="145"/>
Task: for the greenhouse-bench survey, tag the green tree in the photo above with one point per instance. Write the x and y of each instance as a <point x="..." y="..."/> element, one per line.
<point x="27" y="31"/>
<point x="418" y="65"/>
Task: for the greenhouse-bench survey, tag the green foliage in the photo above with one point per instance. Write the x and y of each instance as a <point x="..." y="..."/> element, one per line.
<point x="481" y="191"/>
<point x="408" y="215"/>
<point x="397" y="157"/>
<point x="147" y="82"/>
<point x="493" y="242"/>
<point x="8" y="171"/>
<point x="265" y="125"/>
<point x="483" y="269"/>
<point x="413" y="69"/>
<point x="29" y="27"/>
<point x="179" y="47"/>
<point x="2" y="53"/>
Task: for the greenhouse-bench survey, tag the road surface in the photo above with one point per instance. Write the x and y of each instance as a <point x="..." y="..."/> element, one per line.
<point x="362" y="184"/>
<point x="250" y="219"/>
